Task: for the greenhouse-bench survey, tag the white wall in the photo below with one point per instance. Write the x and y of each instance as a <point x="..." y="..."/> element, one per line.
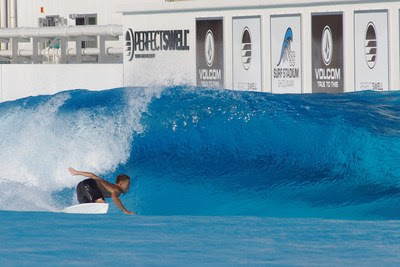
<point x="20" y="80"/>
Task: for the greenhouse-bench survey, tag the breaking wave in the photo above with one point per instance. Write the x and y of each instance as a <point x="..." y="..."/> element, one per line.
<point x="196" y="151"/>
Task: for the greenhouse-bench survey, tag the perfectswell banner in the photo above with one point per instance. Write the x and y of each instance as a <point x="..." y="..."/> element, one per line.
<point x="286" y="54"/>
<point x="371" y="50"/>
<point x="146" y="44"/>
<point x="247" y="54"/>
<point x="210" y="53"/>
<point x="327" y="53"/>
<point x="159" y="51"/>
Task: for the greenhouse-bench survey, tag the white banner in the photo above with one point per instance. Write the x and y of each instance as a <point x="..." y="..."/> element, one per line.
<point x="286" y="72"/>
<point x="247" y="54"/>
<point x="371" y="50"/>
<point x="159" y="51"/>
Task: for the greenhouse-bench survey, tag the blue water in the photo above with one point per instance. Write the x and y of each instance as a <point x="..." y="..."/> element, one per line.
<point x="219" y="177"/>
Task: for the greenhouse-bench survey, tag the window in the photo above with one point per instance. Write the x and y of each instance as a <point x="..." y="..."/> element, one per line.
<point x="80" y="21"/>
<point x="92" y="20"/>
<point x="86" y="19"/>
<point x="51" y="21"/>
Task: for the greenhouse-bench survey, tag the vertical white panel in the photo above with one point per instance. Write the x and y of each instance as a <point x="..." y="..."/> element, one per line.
<point x="286" y="54"/>
<point x="228" y="46"/>
<point x="371" y="51"/>
<point x="247" y="54"/>
<point x="348" y="39"/>
<point x="394" y="51"/>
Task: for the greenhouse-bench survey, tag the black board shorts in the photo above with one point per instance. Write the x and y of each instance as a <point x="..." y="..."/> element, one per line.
<point x="88" y="192"/>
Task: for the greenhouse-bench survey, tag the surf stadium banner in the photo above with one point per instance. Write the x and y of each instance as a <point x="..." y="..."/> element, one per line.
<point x="286" y="76"/>
<point x="210" y="53"/>
<point x="247" y="54"/>
<point x="371" y="50"/>
<point x="327" y="53"/>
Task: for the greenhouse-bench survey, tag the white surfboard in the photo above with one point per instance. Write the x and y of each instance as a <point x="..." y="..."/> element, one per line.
<point x="87" y="208"/>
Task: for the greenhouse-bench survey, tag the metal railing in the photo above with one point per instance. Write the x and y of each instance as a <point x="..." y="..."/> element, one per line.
<point x="53" y="44"/>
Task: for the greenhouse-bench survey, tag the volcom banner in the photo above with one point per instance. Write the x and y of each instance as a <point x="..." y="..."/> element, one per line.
<point x="327" y="53"/>
<point x="371" y="50"/>
<point x="286" y="54"/>
<point x="210" y="53"/>
<point x="247" y="54"/>
<point x="145" y="44"/>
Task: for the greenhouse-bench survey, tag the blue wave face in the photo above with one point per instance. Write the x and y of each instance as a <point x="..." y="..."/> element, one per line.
<point x="193" y="151"/>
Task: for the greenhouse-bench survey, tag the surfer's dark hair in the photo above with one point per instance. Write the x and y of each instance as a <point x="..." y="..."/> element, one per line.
<point x="122" y="177"/>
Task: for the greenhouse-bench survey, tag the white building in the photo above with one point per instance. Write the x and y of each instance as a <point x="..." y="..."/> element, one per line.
<point x="278" y="46"/>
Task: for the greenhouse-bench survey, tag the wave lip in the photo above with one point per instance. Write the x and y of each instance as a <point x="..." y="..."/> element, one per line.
<point x="42" y="136"/>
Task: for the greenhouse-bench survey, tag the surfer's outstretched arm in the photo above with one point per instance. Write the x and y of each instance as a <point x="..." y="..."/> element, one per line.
<point x="86" y="174"/>
<point x="108" y="186"/>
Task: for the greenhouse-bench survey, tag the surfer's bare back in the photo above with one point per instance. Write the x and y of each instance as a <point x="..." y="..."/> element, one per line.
<point x="95" y="189"/>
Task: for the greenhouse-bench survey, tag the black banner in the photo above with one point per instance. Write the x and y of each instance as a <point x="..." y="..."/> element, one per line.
<point x="210" y="53"/>
<point x="327" y="54"/>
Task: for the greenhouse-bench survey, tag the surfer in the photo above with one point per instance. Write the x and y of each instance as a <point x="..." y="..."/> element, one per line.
<point x="95" y="189"/>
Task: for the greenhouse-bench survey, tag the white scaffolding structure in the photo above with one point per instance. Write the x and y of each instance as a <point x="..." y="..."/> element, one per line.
<point x="60" y="52"/>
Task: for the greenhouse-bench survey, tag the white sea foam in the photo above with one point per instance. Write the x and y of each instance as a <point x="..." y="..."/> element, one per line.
<point x="39" y="144"/>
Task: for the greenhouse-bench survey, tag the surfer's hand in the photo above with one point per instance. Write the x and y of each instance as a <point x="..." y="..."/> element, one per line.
<point x="72" y="171"/>
<point x="129" y="212"/>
